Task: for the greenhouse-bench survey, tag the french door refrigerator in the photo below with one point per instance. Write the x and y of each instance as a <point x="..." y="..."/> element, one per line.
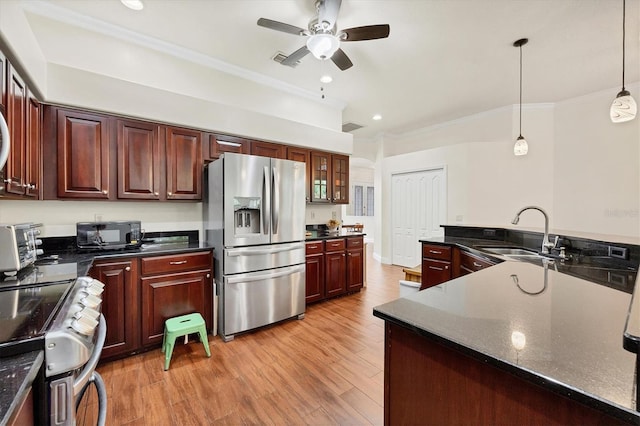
<point x="254" y="216"/>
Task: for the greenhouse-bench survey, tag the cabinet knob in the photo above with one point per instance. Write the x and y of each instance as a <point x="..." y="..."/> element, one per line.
<point x="105" y="192"/>
<point x="128" y="268"/>
<point x="169" y="194"/>
<point x="9" y="181"/>
<point x="156" y="194"/>
<point x="208" y="275"/>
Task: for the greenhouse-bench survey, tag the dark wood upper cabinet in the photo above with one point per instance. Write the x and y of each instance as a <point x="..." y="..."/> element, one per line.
<point x="33" y="161"/>
<point x="340" y="179"/>
<point x="139" y="160"/>
<point x="268" y="149"/>
<point x="216" y="144"/>
<point x="83" y="155"/>
<point x="304" y="156"/>
<point x="320" y="177"/>
<point x="184" y="164"/>
<point x="15" y="172"/>
<point x="3" y="84"/>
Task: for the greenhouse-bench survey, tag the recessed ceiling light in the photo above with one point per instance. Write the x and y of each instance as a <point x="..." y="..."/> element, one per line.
<point x="326" y="78"/>
<point x="377" y="117"/>
<point x="133" y="4"/>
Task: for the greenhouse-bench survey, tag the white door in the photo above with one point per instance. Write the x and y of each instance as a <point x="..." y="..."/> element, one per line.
<point x="418" y="210"/>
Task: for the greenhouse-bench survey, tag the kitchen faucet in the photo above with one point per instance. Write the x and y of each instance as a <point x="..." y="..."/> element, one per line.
<point x="546" y="245"/>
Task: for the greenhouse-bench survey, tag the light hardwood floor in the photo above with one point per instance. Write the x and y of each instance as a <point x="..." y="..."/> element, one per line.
<point x="325" y="369"/>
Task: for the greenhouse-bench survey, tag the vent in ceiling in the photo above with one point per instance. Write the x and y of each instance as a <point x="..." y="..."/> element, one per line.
<point x="279" y="57"/>
<point x="350" y="127"/>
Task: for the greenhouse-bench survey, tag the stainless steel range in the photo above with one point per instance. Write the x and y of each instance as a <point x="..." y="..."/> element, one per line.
<point x="50" y="308"/>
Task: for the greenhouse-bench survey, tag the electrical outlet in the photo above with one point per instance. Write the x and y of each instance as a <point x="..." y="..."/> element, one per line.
<point x="313" y="215"/>
<point x="97" y="217"/>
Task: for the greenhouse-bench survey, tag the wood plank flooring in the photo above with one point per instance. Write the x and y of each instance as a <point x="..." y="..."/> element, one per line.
<point x="325" y="369"/>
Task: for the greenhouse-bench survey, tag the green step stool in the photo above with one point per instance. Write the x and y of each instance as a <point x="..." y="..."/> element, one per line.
<point x="182" y="326"/>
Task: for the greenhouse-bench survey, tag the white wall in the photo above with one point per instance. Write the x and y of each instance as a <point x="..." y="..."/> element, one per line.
<point x="59" y="217"/>
<point x="361" y="175"/>
<point x="581" y="168"/>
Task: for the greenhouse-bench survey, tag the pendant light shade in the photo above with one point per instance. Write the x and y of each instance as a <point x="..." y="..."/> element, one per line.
<point x="521" y="147"/>
<point x="624" y="107"/>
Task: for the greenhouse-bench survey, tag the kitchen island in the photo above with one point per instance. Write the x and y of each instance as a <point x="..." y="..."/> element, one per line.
<point x="515" y="343"/>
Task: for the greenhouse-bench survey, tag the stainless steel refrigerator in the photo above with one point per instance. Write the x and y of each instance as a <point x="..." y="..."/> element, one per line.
<point x="254" y="216"/>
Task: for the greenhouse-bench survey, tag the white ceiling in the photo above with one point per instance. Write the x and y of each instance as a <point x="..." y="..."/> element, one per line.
<point x="444" y="59"/>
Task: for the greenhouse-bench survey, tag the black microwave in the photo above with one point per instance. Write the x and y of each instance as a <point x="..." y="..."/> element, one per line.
<point x="111" y="235"/>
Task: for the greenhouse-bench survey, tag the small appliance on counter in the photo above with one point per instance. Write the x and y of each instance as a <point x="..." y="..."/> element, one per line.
<point x="113" y="235"/>
<point x="18" y="246"/>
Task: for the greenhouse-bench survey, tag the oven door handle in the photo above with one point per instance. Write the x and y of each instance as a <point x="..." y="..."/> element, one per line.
<point x="86" y="373"/>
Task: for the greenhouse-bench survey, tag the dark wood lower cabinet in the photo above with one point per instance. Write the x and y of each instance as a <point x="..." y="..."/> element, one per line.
<point x="167" y="296"/>
<point x="141" y="293"/>
<point x="120" y="305"/>
<point x="428" y="383"/>
<point x="314" y="275"/>
<point x="335" y="278"/>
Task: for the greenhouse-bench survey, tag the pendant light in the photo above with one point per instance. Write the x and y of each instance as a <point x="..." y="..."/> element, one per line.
<point x="624" y="107"/>
<point x="521" y="147"/>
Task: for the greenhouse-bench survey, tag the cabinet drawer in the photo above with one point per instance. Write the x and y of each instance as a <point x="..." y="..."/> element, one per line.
<point x="435" y="251"/>
<point x="314" y="247"/>
<point x="473" y="263"/>
<point x="334" y="245"/>
<point x="175" y="263"/>
<point x="355" y="242"/>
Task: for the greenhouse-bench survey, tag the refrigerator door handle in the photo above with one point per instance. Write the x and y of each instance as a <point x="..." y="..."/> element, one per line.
<point x="261" y="251"/>
<point x="266" y="198"/>
<point x="275" y="205"/>
<point x="265" y="276"/>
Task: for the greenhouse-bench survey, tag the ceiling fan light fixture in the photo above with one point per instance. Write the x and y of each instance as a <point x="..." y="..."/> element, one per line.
<point x="323" y="46"/>
<point x="133" y="4"/>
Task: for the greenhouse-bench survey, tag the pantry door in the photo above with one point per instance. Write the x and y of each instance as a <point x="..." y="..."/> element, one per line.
<point x="418" y="209"/>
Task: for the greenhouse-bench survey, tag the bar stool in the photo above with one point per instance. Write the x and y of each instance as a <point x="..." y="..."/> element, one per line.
<point x="182" y="326"/>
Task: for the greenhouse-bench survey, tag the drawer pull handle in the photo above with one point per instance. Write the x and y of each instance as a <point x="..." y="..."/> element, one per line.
<point x="435" y="252"/>
<point x="477" y="265"/>
<point x="181" y="262"/>
<point x="436" y="269"/>
<point x="312" y="247"/>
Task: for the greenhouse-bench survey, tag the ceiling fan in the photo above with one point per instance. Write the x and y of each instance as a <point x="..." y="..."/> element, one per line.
<point x="323" y="37"/>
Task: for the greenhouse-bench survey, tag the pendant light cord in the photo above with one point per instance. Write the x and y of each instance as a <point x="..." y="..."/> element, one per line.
<point x="623" y="37"/>
<point x="521" y="91"/>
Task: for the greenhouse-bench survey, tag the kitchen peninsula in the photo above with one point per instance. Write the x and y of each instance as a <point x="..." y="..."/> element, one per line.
<point x="521" y="342"/>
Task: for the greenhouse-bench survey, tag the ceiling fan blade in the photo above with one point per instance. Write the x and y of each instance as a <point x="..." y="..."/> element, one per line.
<point x="368" y="32"/>
<point x="328" y="12"/>
<point x="281" y="26"/>
<point x="341" y="60"/>
<point x="292" y="59"/>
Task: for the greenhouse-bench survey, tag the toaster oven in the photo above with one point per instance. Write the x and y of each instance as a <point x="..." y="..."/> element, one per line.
<point x="18" y="246"/>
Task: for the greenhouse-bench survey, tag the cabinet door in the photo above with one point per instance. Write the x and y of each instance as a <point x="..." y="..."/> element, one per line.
<point x="120" y="301"/>
<point x="304" y="156"/>
<point x="17" y="122"/>
<point x="267" y="149"/>
<point x="335" y="277"/>
<point x="83" y="155"/>
<point x="3" y="86"/>
<point x="184" y="164"/>
<point x="320" y="175"/>
<point x="314" y="277"/>
<point x="33" y="163"/>
<point x="340" y="181"/>
<point x="216" y="144"/>
<point x="435" y="272"/>
<point x="355" y="269"/>
<point x="167" y="296"/>
<point x="139" y="160"/>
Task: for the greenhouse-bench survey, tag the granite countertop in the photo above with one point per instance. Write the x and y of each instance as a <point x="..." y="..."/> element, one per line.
<point x="316" y="236"/>
<point x="572" y="327"/>
<point x="17" y="374"/>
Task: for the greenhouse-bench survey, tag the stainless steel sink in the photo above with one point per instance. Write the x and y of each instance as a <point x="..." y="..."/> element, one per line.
<point x="510" y="251"/>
